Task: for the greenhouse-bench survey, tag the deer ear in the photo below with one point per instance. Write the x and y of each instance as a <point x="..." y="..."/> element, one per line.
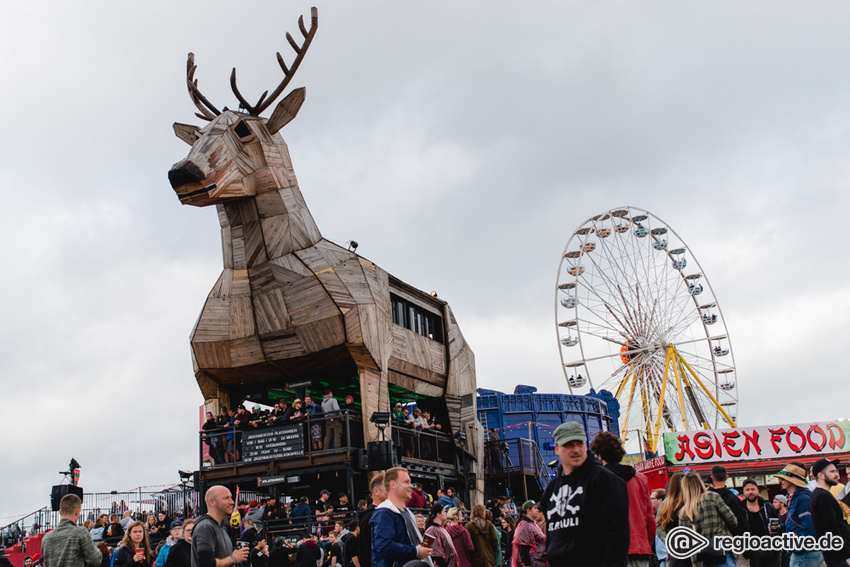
<point x="286" y="110"/>
<point x="187" y="132"/>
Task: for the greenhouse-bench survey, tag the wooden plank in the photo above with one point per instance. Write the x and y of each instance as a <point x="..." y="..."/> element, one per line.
<point x="322" y="334"/>
<point x="212" y="354"/>
<point x="241" y="285"/>
<point x="374" y="396"/>
<point x="241" y="317"/>
<point x="270" y="309"/>
<point x="244" y="352"/>
<point x="333" y="253"/>
<point x="238" y="245"/>
<point x="277" y="236"/>
<point x="291" y="264"/>
<point x="307" y="301"/>
<point x="255" y="248"/>
<point x="312" y="259"/>
<point x="282" y="348"/>
<point x="262" y="279"/>
<point x="227" y="247"/>
<point x="270" y="205"/>
<point x="353" y="331"/>
<point x="335" y="288"/>
<point x="214" y="322"/>
<point x="351" y="274"/>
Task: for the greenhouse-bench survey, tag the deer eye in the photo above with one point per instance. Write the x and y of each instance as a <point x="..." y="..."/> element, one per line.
<point x="242" y="130"/>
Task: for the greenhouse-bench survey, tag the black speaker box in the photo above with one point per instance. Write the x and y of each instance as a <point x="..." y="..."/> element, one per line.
<point x="60" y="490"/>
<point x="379" y="454"/>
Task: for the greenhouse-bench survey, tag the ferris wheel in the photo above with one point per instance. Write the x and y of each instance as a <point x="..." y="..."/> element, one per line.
<point x="637" y="317"/>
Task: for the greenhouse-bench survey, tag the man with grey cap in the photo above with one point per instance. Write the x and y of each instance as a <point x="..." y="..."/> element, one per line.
<point x="586" y="507"/>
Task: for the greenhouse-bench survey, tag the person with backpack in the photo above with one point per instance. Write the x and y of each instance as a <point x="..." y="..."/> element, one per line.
<point x="718" y="486"/>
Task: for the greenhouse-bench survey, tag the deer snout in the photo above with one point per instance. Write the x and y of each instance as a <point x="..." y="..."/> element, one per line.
<point x="184" y="173"/>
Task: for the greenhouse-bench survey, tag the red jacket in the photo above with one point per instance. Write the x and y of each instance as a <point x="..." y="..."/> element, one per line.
<point x="417" y="500"/>
<point x="641" y="514"/>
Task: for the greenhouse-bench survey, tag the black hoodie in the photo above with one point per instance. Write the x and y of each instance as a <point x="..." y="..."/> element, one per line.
<point x="587" y="517"/>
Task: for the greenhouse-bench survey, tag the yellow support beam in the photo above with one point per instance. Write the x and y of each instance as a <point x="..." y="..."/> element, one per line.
<point x="624" y="433"/>
<point x="679" y="388"/>
<point x="653" y="443"/>
<point x="688" y="384"/>
<point x="729" y="419"/>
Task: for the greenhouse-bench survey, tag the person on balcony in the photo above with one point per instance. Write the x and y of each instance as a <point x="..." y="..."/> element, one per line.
<point x="333" y="422"/>
<point x="314" y="411"/>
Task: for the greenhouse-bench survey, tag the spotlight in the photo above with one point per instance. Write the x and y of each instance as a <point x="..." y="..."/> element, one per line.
<point x="352" y="245"/>
<point x="381" y="418"/>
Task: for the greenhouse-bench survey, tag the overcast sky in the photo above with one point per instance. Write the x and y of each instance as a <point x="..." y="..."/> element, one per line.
<point x="460" y="143"/>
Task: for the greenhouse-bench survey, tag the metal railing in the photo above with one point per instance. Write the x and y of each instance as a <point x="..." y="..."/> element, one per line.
<point x="506" y="457"/>
<point x="317" y="434"/>
<point x="182" y="500"/>
<point x="425" y="445"/>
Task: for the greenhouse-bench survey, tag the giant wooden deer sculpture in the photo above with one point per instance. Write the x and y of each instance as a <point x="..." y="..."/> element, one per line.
<point x="289" y="303"/>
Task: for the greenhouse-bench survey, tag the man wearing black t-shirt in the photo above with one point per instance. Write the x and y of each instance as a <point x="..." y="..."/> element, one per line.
<point x="350" y="543"/>
<point x="826" y="513"/>
<point x="335" y="559"/>
<point x="759" y="516"/>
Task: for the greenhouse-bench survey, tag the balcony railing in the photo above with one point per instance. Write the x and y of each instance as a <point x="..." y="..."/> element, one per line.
<point x="316" y="436"/>
<point x="303" y="437"/>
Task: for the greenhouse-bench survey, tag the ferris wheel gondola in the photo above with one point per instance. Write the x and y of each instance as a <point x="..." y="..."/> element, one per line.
<point x="629" y="322"/>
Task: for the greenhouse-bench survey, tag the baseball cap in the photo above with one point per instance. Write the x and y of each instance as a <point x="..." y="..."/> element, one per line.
<point x="528" y="505"/>
<point x="569" y="431"/>
<point x="176" y="524"/>
<point x="325" y="491"/>
<point x="781" y="498"/>
<point x="821" y="464"/>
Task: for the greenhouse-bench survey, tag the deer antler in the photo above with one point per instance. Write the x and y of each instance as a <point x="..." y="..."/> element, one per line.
<point x="288" y="72"/>
<point x="208" y="111"/>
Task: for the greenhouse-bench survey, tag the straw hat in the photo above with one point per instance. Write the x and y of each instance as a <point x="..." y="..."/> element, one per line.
<point x="794" y="474"/>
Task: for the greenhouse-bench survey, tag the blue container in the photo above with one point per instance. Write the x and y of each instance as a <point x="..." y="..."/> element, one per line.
<point x="526" y="414"/>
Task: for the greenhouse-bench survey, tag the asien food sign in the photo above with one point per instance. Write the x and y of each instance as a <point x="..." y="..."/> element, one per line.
<point x="754" y="443"/>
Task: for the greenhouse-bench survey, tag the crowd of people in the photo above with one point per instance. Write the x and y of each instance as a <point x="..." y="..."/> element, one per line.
<point x="597" y="512"/>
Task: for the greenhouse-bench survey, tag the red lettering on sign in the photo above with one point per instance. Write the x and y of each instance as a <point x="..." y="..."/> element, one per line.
<point x="729" y="442"/>
<point x="751" y="438"/>
<point x="819" y="430"/>
<point x="684" y="448"/>
<point x="718" y="449"/>
<point x="796" y="431"/>
<point x="833" y="442"/>
<point x="776" y="435"/>
<point x="702" y="444"/>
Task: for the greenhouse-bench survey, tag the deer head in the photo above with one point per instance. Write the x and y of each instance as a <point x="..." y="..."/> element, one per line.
<point x="230" y="157"/>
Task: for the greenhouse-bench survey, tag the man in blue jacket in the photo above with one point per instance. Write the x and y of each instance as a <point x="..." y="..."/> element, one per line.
<point x="793" y="479"/>
<point x="395" y="537"/>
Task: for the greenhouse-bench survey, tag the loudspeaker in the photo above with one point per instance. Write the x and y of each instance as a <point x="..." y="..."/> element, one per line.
<point x="379" y="454"/>
<point x="471" y="480"/>
<point x="60" y="490"/>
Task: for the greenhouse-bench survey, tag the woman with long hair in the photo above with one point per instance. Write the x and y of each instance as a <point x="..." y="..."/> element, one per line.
<point x="707" y="514"/>
<point x="460" y="538"/>
<point x="442" y="549"/>
<point x="508" y="527"/>
<point x="135" y="550"/>
<point x="97" y="531"/>
<point x="484" y="539"/>
<point x="668" y="513"/>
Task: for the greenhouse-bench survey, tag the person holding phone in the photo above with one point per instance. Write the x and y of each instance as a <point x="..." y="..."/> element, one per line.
<point x="438" y="539"/>
<point x="136" y="549"/>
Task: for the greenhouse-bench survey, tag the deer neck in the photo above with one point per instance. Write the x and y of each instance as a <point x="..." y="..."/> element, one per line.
<point x="263" y="227"/>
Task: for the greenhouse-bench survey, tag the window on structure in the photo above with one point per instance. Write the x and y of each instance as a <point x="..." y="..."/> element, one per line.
<point x="417" y="319"/>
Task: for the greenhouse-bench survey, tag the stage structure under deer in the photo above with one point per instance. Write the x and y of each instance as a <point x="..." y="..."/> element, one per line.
<point x="290" y="304"/>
